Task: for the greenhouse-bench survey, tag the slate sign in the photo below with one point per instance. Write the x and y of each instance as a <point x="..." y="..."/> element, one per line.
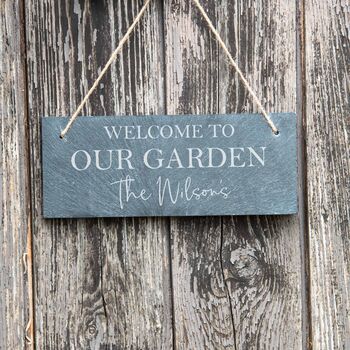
<point x="169" y="166"/>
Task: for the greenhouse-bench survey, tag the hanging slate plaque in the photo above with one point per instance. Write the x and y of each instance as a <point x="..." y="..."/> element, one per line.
<point x="169" y="166"/>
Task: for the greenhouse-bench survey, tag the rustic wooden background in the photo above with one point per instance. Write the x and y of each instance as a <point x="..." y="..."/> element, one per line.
<point x="184" y="283"/>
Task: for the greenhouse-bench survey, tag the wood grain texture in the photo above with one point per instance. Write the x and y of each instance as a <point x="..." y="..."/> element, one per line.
<point x="237" y="281"/>
<point x="202" y="313"/>
<point x="99" y="283"/>
<point x="327" y="34"/>
<point x="14" y="206"/>
<point x="261" y="256"/>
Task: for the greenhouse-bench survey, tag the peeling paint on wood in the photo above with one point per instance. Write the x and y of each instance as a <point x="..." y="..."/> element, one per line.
<point x="261" y="255"/>
<point x="14" y="212"/>
<point x="328" y="151"/>
<point x="99" y="283"/>
<point x="231" y="289"/>
<point x="185" y="283"/>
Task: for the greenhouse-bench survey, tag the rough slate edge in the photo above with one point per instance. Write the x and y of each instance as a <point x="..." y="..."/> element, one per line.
<point x="327" y="117"/>
<point x="291" y="115"/>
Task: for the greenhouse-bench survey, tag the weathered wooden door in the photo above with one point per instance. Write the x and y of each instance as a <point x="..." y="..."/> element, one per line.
<point x="184" y="283"/>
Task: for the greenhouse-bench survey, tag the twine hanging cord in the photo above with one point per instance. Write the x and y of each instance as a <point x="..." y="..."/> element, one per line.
<point x="125" y="39"/>
<point x="105" y="68"/>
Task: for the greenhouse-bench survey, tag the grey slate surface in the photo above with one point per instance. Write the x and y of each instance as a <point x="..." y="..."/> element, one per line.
<point x="266" y="186"/>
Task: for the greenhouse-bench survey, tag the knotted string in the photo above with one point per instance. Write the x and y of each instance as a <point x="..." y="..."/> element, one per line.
<point x="125" y="39"/>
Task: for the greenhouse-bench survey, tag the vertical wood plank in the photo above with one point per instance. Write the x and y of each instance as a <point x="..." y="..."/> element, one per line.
<point x="202" y="313"/>
<point x="262" y="255"/>
<point x="237" y="281"/>
<point x="99" y="283"/>
<point x="327" y="28"/>
<point x="14" y="189"/>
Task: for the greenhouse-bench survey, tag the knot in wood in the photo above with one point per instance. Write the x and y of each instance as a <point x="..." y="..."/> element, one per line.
<point x="91" y="330"/>
<point x="245" y="266"/>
